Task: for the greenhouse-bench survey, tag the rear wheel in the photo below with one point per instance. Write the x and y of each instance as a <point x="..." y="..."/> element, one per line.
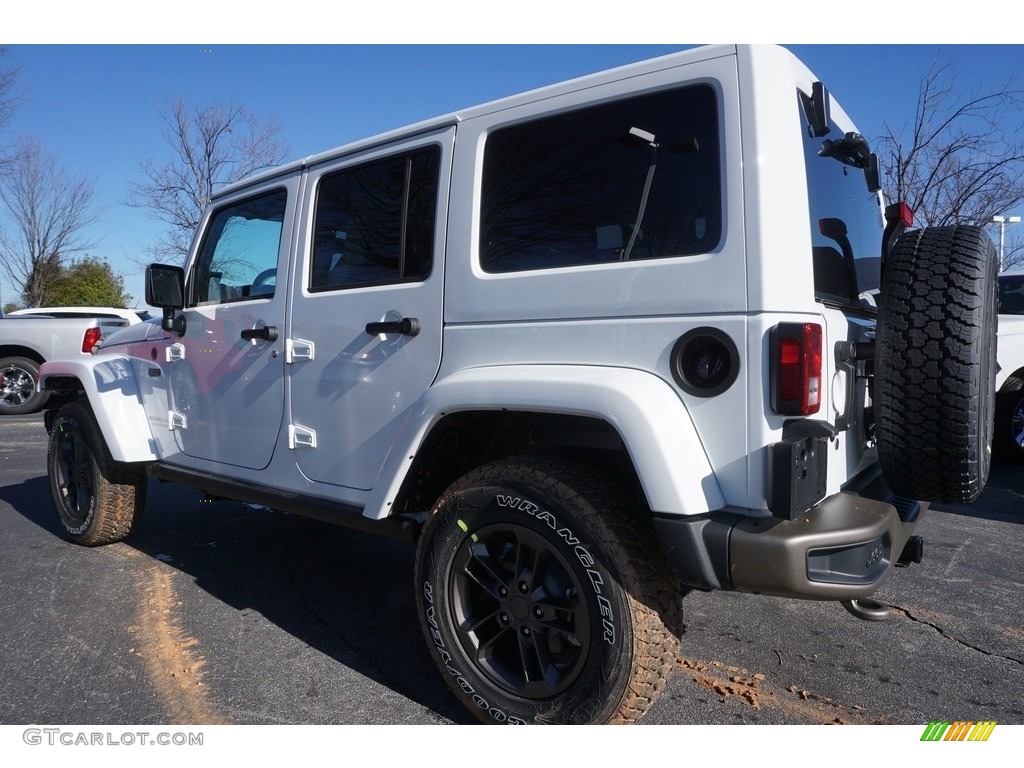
<point x="18" y="378"/>
<point x="936" y="363"/>
<point x="544" y="598"/>
<point x="98" y="500"/>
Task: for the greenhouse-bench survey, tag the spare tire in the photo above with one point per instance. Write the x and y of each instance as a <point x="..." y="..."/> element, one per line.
<point x="935" y="364"/>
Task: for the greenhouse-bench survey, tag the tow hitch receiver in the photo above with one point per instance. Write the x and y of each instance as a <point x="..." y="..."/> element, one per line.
<point x="913" y="551"/>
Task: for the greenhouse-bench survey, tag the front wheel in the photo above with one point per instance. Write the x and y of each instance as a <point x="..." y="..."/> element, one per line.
<point x="98" y="500"/>
<point x="544" y="598"/>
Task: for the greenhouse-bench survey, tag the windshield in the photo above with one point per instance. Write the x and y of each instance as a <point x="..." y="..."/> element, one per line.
<point x="846" y="224"/>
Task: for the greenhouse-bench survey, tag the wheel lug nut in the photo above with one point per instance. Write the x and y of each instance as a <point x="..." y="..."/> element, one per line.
<point x="526" y="631"/>
<point x="538" y="612"/>
<point x="524" y="587"/>
<point x="502" y="591"/>
<point x="504" y="618"/>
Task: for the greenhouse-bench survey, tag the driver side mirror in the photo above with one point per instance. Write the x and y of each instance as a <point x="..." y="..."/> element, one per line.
<point x="165" y="288"/>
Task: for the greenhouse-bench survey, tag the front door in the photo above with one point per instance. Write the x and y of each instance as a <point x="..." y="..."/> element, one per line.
<point x="226" y="373"/>
<point x="365" y="339"/>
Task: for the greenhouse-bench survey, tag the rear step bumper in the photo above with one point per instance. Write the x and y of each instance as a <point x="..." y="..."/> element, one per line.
<point x="841" y="549"/>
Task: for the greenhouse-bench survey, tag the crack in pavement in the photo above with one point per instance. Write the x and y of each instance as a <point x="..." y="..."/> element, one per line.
<point x="916" y="619"/>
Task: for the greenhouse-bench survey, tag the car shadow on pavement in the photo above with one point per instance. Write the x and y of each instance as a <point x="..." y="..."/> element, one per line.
<point x="342" y="592"/>
<point x="347" y="594"/>
<point x="31" y="498"/>
<point x="1002" y="499"/>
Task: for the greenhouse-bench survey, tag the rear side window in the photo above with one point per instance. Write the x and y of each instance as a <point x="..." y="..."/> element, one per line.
<point x="638" y="178"/>
<point x="374" y="223"/>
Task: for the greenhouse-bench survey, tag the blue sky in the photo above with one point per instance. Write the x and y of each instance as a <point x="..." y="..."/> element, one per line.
<point x="94" y="105"/>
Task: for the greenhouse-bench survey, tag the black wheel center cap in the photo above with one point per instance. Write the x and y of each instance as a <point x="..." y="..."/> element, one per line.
<point x="520" y="607"/>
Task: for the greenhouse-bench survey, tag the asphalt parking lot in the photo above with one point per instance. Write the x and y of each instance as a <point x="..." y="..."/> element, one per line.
<point x="216" y="612"/>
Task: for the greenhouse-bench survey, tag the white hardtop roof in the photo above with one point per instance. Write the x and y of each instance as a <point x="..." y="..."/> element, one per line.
<point x="688" y="56"/>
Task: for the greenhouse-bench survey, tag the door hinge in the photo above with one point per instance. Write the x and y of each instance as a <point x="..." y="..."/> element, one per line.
<point x="297" y="350"/>
<point x="176" y="420"/>
<point x="175" y="352"/>
<point x="301" y="437"/>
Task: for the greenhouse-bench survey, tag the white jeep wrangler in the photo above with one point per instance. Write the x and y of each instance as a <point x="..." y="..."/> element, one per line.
<point x="586" y="344"/>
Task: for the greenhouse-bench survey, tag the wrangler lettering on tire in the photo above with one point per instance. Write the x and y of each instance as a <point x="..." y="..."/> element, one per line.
<point x="542" y="596"/>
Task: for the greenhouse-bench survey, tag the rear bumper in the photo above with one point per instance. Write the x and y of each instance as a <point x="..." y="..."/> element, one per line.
<point x="842" y="548"/>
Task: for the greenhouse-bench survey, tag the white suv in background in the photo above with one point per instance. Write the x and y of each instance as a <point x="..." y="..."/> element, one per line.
<point x="1009" y="427"/>
<point x="584" y="344"/>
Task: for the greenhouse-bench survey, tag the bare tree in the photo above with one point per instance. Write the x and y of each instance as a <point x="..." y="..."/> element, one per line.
<point x="1014" y="256"/>
<point x="211" y="146"/>
<point x="961" y="158"/>
<point x="10" y="99"/>
<point x="47" y="211"/>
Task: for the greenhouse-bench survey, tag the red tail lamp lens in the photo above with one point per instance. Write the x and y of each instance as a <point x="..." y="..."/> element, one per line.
<point x="92" y="335"/>
<point x="796" y="374"/>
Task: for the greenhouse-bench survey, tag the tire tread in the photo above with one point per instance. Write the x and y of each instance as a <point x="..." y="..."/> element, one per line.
<point x="627" y="538"/>
<point x="936" y="364"/>
<point x="120" y="488"/>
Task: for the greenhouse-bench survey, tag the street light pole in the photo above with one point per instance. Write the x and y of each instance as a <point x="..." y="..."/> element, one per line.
<point x="1002" y="221"/>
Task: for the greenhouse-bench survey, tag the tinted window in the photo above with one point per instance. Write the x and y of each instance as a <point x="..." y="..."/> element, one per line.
<point x="1011" y="294"/>
<point x="374" y="223"/>
<point x="238" y="257"/>
<point x="846" y="224"/>
<point x="631" y="179"/>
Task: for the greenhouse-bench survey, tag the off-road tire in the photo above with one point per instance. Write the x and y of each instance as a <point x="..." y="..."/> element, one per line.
<point x="544" y="597"/>
<point x="935" y="364"/>
<point x="18" y="393"/>
<point x="98" y="500"/>
<point x="1008" y="440"/>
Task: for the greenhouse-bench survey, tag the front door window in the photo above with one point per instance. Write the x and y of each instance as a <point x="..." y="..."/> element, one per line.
<point x="238" y="259"/>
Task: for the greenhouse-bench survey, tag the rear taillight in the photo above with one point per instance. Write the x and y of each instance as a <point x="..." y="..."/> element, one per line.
<point x="92" y="336"/>
<point x="903" y="213"/>
<point x="796" y="368"/>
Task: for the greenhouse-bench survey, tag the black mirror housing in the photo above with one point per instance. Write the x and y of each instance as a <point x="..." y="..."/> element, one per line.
<point x="165" y="288"/>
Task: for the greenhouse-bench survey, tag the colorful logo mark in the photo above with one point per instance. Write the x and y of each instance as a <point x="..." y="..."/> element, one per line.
<point x="960" y="730"/>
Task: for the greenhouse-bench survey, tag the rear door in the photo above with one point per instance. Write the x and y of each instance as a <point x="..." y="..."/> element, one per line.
<point x="365" y="338"/>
